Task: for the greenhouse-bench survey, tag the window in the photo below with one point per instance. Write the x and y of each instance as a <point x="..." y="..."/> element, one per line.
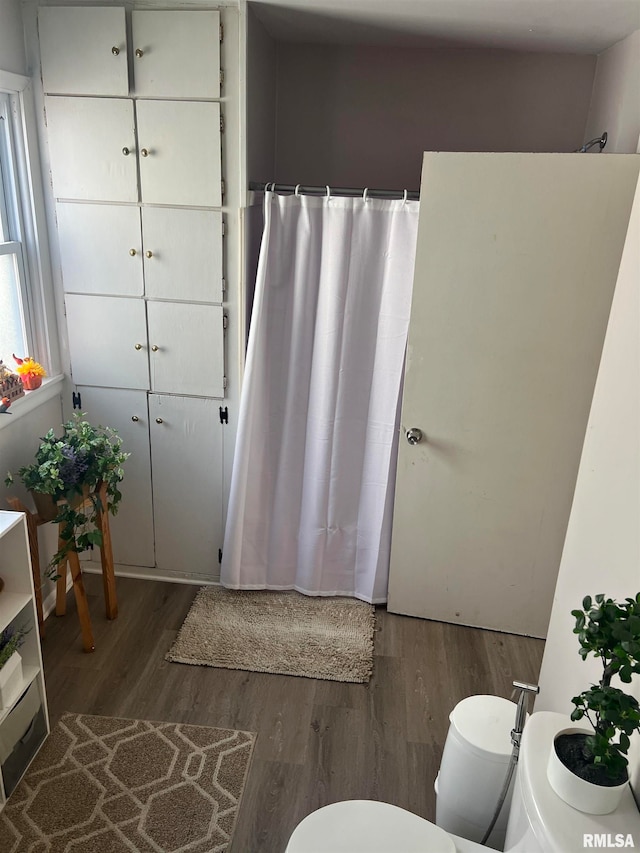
<point x="14" y="316"/>
<point x="27" y="304"/>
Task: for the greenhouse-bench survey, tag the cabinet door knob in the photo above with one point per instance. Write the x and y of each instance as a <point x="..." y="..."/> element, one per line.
<point x="126" y="151"/>
<point x="115" y="50"/>
<point x="159" y="421"/>
<point x="144" y="152"/>
<point x="149" y="254"/>
<point x="139" y="53"/>
<point x="132" y="252"/>
<point x="135" y="418"/>
<point x="138" y="346"/>
<point x="154" y="348"/>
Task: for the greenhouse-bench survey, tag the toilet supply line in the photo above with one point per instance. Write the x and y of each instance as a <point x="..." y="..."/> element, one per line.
<point x="516" y="736"/>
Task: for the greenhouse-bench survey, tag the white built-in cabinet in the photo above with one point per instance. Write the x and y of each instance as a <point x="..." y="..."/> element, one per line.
<point x="95" y="157"/>
<point x="134" y="131"/>
<point x="102" y="251"/>
<point x="85" y="51"/>
<point x="158" y="346"/>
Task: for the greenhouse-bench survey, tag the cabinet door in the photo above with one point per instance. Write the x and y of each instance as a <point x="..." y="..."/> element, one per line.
<point x="92" y="148"/>
<point x="132" y="527"/>
<point x="107" y="341"/>
<point x="186" y="348"/>
<point x="186" y="458"/>
<point x="176" y="54"/>
<point x="179" y="145"/>
<point x="83" y="51"/>
<point x="183" y="254"/>
<point x="100" y="248"/>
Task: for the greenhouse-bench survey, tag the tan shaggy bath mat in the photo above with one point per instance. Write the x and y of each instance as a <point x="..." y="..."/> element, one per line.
<point x="278" y="632"/>
<point x="106" y="785"/>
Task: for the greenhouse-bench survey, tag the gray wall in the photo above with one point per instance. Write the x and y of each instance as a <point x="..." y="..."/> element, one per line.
<point x="12" y="53"/>
<point x="615" y="102"/>
<point x="362" y="116"/>
<point x="261" y="101"/>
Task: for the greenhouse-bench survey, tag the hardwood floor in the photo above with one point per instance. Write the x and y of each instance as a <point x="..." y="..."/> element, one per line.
<point x="318" y="741"/>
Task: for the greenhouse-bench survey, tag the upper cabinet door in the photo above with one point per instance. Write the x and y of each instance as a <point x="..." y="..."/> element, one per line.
<point x="100" y="248"/>
<point x="107" y="341"/>
<point x="182" y="254"/>
<point x="176" y="54"/>
<point x="179" y="153"/>
<point x="83" y="50"/>
<point x="92" y="145"/>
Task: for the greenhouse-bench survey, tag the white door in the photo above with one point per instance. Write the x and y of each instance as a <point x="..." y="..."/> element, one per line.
<point x="132" y="526"/>
<point x="186" y="458"/>
<point x="516" y="264"/>
<point x="92" y="146"/>
<point x="176" y="54"/>
<point x="186" y="348"/>
<point x="179" y="153"/>
<point x="107" y="341"/>
<point x="100" y="248"/>
<point x="182" y="254"/>
<point x="83" y="51"/>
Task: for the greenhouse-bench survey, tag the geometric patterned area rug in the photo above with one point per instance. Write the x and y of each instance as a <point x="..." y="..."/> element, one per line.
<point x="106" y="785"/>
<point x="278" y="632"/>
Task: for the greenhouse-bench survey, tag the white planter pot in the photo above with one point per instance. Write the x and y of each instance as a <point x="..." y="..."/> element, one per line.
<point x="10" y="680"/>
<point x="577" y="792"/>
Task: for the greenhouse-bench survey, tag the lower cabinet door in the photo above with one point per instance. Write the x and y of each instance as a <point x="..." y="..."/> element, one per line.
<point x="186" y="456"/>
<point x="132" y="527"/>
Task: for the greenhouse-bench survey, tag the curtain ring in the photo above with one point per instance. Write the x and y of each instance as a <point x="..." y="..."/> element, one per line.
<point x="365" y="194"/>
<point x="404" y="197"/>
<point x="328" y="191"/>
<point x="297" y="192"/>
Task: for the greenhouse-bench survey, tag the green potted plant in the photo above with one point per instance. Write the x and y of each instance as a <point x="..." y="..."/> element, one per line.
<point x="588" y="765"/>
<point x="66" y="478"/>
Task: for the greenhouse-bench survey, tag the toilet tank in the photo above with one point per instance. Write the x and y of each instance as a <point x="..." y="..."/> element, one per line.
<point x="539" y="821"/>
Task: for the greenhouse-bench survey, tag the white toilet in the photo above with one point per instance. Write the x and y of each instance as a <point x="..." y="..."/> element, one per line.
<point x="539" y="821"/>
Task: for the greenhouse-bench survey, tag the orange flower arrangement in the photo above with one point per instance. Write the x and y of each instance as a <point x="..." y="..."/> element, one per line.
<point x="30" y="371"/>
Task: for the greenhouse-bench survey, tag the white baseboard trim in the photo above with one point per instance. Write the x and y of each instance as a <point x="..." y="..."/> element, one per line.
<point x="153" y="574"/>
<point x="49" y="602"/>
<point x="140" y="572"/>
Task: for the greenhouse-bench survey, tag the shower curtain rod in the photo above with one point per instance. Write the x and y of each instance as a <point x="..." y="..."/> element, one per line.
<point x="412" y="195"/>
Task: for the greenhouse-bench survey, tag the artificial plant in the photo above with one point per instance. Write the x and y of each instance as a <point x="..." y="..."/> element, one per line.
<point x="73" y="467"/>
<point x="610" y="631"/>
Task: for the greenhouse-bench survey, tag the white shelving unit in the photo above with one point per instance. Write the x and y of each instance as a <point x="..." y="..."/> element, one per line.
<point x="24" y="725"/>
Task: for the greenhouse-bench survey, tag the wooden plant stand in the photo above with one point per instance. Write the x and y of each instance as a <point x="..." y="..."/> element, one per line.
<point x="106" y="558"/>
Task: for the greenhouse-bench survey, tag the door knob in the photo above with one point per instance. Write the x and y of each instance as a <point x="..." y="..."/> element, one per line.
<point x="148" y="254"/>
<point x="137" y="346"/>
<point x="414" y="435"/>
<point x="159" y="420"/>
<point x="144" y="152"/>
<point x="132" y="252"/>
<point x="126" y="151"/>
<point x="115" y="50"/>
<point x="139" y="53"/>
<point x="154" y="348"/>
<point x="135" y="418"/>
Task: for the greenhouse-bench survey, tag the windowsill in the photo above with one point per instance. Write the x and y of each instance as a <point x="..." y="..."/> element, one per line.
<point x="50" y="388"/>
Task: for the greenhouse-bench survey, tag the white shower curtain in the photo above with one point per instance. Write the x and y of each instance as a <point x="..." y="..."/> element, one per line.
<point x="311" y="496"/>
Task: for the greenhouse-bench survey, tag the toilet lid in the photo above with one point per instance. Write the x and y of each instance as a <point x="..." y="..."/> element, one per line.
<point x="365" y="826"/>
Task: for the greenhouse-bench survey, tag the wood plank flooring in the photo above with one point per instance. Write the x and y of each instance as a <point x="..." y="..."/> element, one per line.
<point x="318" y="741"/>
